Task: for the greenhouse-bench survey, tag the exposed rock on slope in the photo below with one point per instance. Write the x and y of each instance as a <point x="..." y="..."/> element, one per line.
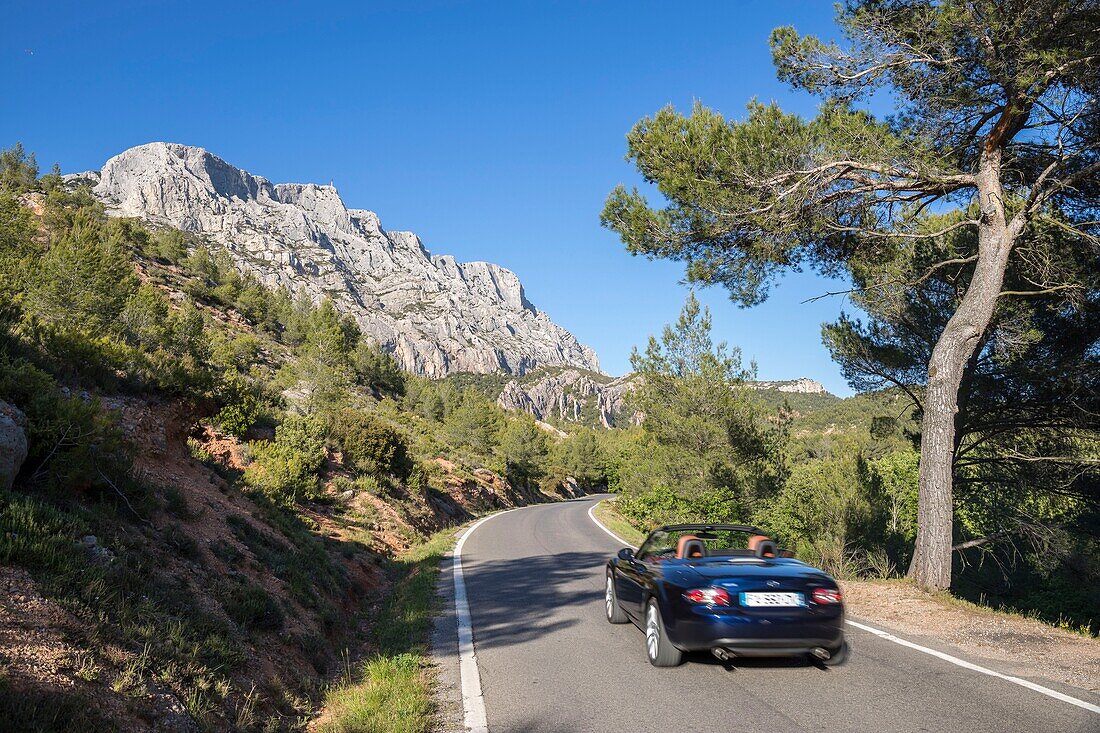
<point x="13" y="443"/>
<point x="569" y="395"/>
<point x="436" y="315"/>
<point x="803" y="385"/>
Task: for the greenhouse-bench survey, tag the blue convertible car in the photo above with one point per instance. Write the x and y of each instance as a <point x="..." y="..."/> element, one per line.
<point x="727" y="589"/>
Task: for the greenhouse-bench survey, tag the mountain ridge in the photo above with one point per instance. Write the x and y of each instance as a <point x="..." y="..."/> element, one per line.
<point x="436" y="315"/>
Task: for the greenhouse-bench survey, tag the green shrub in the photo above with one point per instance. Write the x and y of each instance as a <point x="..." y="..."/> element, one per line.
<point x="826" y="512"/>
<point x="73" y="444"/>
<point x="286" y="469"/>
<point x="524" y="447"/>
<point x="252" y="607"/>
<point x="240" y="405"/>
<point x="370" y="444"/>
<point x="474" y="423"/>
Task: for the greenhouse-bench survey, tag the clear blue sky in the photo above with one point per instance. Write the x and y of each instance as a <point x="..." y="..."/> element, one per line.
<point x="492" y="129"/>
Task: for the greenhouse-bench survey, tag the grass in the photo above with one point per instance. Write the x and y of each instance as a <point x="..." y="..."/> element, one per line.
<point x="606" y="512"/>
<point x="393" y="691"/>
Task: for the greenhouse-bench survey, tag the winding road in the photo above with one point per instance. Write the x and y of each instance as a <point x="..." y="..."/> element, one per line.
<point x="548" y="662"/>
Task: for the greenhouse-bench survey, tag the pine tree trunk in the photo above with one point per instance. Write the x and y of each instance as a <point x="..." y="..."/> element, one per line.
<point x="931" y="566"/>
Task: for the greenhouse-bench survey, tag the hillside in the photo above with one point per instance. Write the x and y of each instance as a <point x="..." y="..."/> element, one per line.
<point x="209" y="487"/>
<point x="435" y="315"/>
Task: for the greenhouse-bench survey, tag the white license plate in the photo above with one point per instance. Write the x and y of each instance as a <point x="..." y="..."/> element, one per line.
<point x="775" y="600"/>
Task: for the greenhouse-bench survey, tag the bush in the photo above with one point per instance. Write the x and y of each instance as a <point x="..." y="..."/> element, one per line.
<point x="826" y="512"/>
<point x="370" y="444"/>
<point x="240" y="405"/>
<point x="252" y="607"/>
<point x="474" y="423"/>
<point x="72" y="443"/>
<point x="286" y="469"/>
<point x="525" y="448"/>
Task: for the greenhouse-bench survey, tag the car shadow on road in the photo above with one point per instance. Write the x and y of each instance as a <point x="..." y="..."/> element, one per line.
<point x="748" y="664"/>
<point x="519" y="600"/>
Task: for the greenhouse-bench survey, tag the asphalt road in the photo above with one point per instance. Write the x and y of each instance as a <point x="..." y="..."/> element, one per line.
<point x="550" y="663"/>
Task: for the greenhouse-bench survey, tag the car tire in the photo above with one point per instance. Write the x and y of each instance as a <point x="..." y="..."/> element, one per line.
<point x="658" y="648"/>
<point x="615" y="613"/>
<point x="839" y="657"/>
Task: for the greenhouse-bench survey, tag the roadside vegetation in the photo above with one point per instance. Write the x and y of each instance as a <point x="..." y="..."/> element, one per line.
<point x="836" y="481"/>
<point x="391" y="690"/>
<point x="218" y="473"/>
<point x="964" y="218"/>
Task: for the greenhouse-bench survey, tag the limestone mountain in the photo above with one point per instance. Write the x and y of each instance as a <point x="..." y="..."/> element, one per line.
<point x="437" y="316"/>
<point x="572" y="395"/>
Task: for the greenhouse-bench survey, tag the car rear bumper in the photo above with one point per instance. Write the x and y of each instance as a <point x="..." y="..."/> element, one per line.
<point x="775" y="647"/>
<point x="756" y="636"/>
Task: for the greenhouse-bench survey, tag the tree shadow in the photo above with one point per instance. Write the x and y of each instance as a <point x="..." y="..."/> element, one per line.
<point x="516" y="601"/>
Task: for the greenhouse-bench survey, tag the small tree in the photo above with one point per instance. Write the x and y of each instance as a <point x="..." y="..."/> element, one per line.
<point x="475" y="422"/>
<point x="524" y="447"/>
<point x="705" y="454"/>
<point x="85" y="279"/>
<point x="370" y="444"/>
<point x="996" y="113"/>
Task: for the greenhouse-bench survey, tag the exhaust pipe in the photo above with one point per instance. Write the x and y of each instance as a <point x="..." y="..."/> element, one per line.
<point x="820" y="652"/>
<point x="721" y="654"/>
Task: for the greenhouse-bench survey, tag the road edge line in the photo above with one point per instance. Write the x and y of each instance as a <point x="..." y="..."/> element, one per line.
<point x="602" y="526"/>
<point x="977" y="667"/>
<point x="473" y="702"/>
<point x="903" y="642"/>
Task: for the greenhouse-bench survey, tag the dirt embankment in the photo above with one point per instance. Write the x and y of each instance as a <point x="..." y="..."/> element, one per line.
<point x="1012" y="644"/>
<point x="289" y="593"/>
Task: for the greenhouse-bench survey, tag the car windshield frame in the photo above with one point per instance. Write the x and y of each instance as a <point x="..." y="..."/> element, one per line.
<point x="719" y="541"/>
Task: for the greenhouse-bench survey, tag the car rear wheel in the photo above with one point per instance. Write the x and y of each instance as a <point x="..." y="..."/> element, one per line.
<point x="615" y="613"/>
<point x="839" y="657"/>
<point x="658" y="648"/>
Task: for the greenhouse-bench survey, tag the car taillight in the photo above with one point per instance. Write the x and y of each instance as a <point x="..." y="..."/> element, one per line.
<point x="708" y="596"/>
<point x="826" y="596"/>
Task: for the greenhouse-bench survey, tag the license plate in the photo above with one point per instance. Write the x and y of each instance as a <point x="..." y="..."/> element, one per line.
<point x="772" y="600"/>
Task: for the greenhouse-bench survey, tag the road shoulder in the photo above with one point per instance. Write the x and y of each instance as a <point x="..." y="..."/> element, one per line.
<point x="446" y="678"/>
<point x="1012" y="644"/>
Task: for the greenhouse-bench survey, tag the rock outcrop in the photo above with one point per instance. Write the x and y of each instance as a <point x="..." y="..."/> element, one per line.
<point x="802" y="385"/>
<point x="570" y="395"/>
<point x="13" y="443"/>
<point x="436" y="315"/>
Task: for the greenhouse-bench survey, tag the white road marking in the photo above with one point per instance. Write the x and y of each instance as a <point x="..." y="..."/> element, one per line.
<point x="473" y="703"/>
<point x="601" y="526"/>
<point x="940" y="655"/>
<point x="978" y="668"/>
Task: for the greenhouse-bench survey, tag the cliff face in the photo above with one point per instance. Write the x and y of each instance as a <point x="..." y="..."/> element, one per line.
<point x="571" y="396"/>
<point x="802" y="385"/>
<point x="436" y="315"/>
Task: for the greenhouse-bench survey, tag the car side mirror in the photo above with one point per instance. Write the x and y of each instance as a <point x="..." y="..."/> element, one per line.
<point x="626" y="554"/>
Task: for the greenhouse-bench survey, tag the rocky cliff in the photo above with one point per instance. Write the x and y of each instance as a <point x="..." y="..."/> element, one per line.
<point x="571" y="395"/>
<point x="802" y="385"/>
<point x="436" y="315"/>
